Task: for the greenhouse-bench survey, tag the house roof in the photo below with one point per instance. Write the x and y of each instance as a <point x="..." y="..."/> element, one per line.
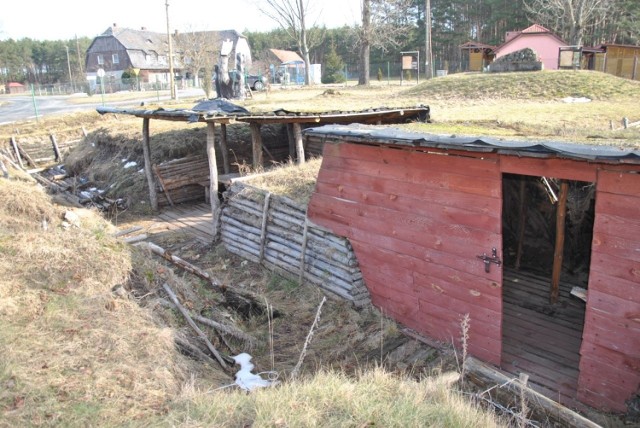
<point x="532" y="30"/>
<point x="538" y="149"/>
<point x="286" y="56"/>
<point x="476" y="45"/>
<point x="15" y="85"/>
<point x="138" y="39"/>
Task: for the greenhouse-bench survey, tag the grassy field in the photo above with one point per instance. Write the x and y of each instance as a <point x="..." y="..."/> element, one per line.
<point x="86" y="341"/>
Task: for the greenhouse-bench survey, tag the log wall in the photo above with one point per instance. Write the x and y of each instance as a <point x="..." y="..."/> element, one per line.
<point x="274" y="231"/>
<point x="610" y="363"/>
<point x="417" y="222"/>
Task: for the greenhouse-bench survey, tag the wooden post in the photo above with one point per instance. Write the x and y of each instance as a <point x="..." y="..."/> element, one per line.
<point x="559" y="250"/>
<point x="263" y="227"/>
<point x="224" y="148"/>
<point x="213" y="177"/>
<point x="256" y="140"/>
<point x="17" y="152"/>
<point x="146" y="150"/>
<point x="84" y="132"/>
<point x="292" y="141"/>
<point x="522" y="223"/>
<point x="297" y="133"/>
<point x="56" y="149"/>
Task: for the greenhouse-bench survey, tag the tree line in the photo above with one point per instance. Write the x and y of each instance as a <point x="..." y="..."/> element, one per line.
<point x="393" y="26"/>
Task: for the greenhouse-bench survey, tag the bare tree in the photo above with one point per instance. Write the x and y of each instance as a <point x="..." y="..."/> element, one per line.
<point x="199" y="52"/>
<point x="384" y="26"/>
<point x="570" y="18"/>
<point x="292" y="15"/>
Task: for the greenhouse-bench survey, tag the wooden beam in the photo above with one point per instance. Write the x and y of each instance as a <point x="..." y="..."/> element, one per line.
<point x="522" y="221"/>
<point x="146" y="150"/>
<point x="297" y="133"/>
<point x="561" y="213"/>
<point x="14" y="145"/>
<point x="213" y="177"/>
<point x="506" y="389"/>
<point x="56" y="149"/>
<point x="224" y="148"/>
<point x="256" y="142"/>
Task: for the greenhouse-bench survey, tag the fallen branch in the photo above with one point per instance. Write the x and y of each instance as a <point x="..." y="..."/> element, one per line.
<point x="156" y="249"/>
<point x="296" y="369"/>
<point x="226" y="329"/>
<point x="193" y="350"/>
<point x="127" y="231"/>
<point x="136" y="238"/>
<point x="193" y="325"/>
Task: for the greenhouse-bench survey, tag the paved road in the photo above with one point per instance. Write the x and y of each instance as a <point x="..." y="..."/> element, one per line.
<point x="15" y="108"/>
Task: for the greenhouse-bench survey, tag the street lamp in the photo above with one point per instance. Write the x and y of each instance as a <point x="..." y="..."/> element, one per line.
<point x="73" y="89"/>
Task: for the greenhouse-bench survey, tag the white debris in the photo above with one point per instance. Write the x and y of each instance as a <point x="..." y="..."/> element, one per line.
<point x="244" y="378"/>
<point x="130" y="164"/>
<point x="72" y="218"/>
<point x="576" y="100"/>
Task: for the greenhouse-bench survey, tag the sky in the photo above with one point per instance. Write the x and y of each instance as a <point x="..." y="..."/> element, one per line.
<point x="66" y="19"/>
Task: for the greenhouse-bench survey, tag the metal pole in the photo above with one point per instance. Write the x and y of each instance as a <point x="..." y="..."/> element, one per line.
<point x="171" y="77"/>
<point x="33" y="98"/>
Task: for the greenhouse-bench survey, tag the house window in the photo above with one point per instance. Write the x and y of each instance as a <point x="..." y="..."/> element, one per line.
<point x="115" y="59"/>
<point x="147" y="58"/>
<point x="100" y="59"/>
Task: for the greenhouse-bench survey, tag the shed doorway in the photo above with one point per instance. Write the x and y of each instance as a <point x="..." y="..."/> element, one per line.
<point x="542" y="325"/>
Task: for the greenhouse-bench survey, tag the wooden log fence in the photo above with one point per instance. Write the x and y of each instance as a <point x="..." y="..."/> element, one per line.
<point x="38" y="153"/>
<point x="273" y="230"/>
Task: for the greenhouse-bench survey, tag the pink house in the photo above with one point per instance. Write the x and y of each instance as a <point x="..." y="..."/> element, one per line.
<point x="542" y="41"/>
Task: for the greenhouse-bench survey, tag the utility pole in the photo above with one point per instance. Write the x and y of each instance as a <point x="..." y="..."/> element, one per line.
<point x="73" y="89"/>
<point x="171" y="77"/>
<point x="428" y="60"/>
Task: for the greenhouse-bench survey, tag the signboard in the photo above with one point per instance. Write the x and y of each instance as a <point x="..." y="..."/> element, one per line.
<point x="408" y="63"/>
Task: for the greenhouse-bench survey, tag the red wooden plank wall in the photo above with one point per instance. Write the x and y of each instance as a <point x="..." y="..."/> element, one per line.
<point x="417" y="221"/>
<point x="610" y="352"/>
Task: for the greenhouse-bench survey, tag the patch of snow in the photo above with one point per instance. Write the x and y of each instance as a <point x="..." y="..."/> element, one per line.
<point x="244" y="378"/>
<point x="576" y="100"/>
<point x="130" y="164"/>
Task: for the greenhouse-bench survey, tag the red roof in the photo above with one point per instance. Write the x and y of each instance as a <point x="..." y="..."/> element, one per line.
<point x="535" y="28"/>
<point x="15" y="85"/>
<point x="286" y="56"/>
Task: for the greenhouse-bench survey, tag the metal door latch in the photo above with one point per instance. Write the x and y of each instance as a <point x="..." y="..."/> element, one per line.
<point x="493" y="258"/>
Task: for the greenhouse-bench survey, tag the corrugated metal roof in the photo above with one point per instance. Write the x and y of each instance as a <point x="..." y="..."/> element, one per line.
<point x="393" y="136"/>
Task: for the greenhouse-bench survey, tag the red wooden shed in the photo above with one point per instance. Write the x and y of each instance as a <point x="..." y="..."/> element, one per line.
<point x="510" y="233"/>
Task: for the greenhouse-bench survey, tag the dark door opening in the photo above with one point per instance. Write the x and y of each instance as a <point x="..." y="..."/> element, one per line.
<point x="542" y="335"/>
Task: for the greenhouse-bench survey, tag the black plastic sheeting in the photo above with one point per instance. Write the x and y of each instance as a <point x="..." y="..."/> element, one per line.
<point x="369" y="134"/>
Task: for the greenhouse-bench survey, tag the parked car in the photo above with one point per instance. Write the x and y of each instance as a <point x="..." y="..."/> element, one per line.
<point x="255" y="81"/>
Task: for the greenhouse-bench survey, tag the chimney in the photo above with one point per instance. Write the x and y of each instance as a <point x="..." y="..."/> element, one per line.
<point x="143" y="28"/>
<point x="114" y="25"/>
<point x="176" y="33"/>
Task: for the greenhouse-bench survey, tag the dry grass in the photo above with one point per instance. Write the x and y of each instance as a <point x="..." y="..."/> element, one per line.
<point x="296" y="182"/>
<point x="334" y="399"/>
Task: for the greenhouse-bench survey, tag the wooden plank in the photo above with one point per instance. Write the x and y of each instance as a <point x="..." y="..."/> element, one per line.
<point x="449" y="180"/>
<point x="297" y="136"/>
<point x="213" y="179"/>
<point x="411" y="159"/>
<point x="602" y="278"/>
<point x="547" y="167"/>
<point x="419" y="273"/>
<point x="167" y="192"/>
<point x="224" y="149"/>
<point x="618" y="182"/>
<point x="437" y="209"/>
<point x="621" y="206"/>
<point x="610" y="357"/>
<point x="333" y="183"/>
<point x="622" y="227"/>
<point x="614" y="306"/>
<point x="614" y="384"/>
<point x="451" y="238"/>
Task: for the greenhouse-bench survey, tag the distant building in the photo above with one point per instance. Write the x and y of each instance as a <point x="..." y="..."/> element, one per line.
<point x="15" y="88"/>
<point x="541" y="40"/>
<point x="120" y="49"/>
<point x="537" y="38"/>
<point x="619" y="60"/>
